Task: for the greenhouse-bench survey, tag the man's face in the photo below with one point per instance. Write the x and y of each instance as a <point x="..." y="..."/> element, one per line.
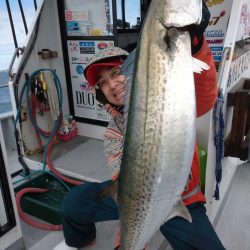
<point x="112" y="84"/>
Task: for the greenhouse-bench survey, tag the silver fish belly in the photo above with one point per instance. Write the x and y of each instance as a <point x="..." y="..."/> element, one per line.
<point x="160" y="134"/>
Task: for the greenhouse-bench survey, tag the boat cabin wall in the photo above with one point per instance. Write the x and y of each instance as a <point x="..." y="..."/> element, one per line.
<point x="48" y="38"/>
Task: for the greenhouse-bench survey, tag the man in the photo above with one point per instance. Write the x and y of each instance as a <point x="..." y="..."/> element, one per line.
<point x="83" y="206"/>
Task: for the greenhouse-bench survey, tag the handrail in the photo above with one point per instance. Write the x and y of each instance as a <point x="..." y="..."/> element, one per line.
<point x="23" y="16"/>
<point x="16" y="53"/>
<point x="224" y="57"/>
<point x="6" y="115"/>
<point x="11" y="23"/>
<point x="18" y="49"/>
<point x="35" y="4"/>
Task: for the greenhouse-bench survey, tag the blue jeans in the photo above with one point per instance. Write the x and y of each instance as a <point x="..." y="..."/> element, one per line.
<point x="196" y="235"/>
<point x="82" y="208"/>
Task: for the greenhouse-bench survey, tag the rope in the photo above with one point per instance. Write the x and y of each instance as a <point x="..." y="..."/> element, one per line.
<point x="218" y="126"/>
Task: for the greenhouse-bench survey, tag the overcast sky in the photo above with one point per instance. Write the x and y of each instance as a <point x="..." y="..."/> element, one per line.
<point x="6" y="39"/>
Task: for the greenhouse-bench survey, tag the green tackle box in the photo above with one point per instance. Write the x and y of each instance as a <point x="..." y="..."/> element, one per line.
<point x="44" y="206"/>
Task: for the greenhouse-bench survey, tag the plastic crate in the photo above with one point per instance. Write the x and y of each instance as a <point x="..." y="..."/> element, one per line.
<point x="45" y="206"/>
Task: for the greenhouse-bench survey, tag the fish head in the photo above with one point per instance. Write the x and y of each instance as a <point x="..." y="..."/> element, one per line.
<point x="180" y="13"/>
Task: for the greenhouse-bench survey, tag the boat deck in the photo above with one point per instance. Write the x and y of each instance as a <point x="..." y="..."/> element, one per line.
<point x="84" y="157"/>
<point x="106" y="232"/>
<point x="233" y="226"/>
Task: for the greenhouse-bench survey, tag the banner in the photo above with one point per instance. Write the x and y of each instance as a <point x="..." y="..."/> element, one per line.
<point x="89" y="18"/>
<point x="244" y="25"/>
<point x="216" y="31"/>
<point x="80" y="52"/>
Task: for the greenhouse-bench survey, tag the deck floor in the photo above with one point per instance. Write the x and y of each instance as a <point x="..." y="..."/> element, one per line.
<point x="81" y="157"/>
<point x="233" y="226"/>
<point x="35" y="239"/>
<point x="105" y="237"/>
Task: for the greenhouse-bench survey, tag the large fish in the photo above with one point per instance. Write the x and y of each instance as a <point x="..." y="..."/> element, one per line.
<point x="160" y="134"/>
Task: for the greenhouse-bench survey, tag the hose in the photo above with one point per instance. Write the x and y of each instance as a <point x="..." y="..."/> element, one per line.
<point x="55" y="171"/>
<point x="46" y="134"/>
<point x="60" y="99"/>
<point x="47" y="151"/>
<point x="26" y="170"/>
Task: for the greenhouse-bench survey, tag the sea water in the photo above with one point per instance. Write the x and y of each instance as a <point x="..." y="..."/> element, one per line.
<point x="5" y="103"/>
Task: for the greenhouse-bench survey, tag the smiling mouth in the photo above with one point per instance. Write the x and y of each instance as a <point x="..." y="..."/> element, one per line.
<point x="119" y="92"/>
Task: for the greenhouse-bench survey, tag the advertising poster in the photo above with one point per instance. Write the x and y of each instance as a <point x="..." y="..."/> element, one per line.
<point x="89" y="18"/>
<point x="241" y="55"/>
<point x="216" y="31"/>
<point x="244" y="25"/>
<point x="80" y="52"/>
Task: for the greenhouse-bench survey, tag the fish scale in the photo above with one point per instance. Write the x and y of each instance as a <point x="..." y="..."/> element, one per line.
<point x="160" y="134"/>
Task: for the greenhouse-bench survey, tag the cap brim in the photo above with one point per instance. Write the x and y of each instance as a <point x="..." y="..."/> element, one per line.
<point x="93" y="70"/>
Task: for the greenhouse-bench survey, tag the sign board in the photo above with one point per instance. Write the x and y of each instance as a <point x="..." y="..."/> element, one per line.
<point x="216" y="31"/>
<point x="89" y="18"/>
<point x="80" y="52"/>
<point x="244" y="25"/>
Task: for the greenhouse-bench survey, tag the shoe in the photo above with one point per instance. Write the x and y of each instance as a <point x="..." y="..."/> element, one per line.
<point x="63" y="246"/>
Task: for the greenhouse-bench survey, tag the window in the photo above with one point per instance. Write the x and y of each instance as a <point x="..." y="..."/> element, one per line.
<point x="89" y="18"/>
<point x="128" y="14"/>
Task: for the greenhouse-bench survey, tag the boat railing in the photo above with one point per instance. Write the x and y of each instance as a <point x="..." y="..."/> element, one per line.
<point x="20" y="50"/>
<point x="22" y="11"/>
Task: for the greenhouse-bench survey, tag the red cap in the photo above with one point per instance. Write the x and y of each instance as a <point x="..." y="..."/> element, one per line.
<point x="93" y="70"/>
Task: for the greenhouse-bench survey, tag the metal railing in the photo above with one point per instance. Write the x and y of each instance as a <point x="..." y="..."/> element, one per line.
<point x="224" y="57"/>
<point x="23" y="18"/>
<point x="16" y="54"/>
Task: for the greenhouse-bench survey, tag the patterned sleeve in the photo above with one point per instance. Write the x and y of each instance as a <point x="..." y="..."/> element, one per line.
<point x="113" y="145"/>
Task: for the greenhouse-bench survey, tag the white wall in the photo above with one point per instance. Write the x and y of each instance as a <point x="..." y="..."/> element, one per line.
<point x="230" y="79"/>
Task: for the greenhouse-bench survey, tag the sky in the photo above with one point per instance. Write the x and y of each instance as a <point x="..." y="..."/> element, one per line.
<point x="132" y="9"/>
<point x="6" y="39"/>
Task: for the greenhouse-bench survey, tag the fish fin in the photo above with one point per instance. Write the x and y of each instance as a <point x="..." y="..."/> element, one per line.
<point x="180" y="210"/>
<point x="110" y="190"/>
<point x="127" y="67"/>
<point x="199" y="66"/>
